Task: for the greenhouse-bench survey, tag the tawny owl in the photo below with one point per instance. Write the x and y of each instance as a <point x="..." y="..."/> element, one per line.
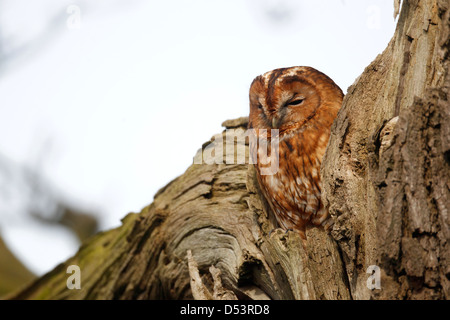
<point x="300" y="103"/>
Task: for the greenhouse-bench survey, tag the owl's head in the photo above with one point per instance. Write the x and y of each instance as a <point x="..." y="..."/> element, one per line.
<point x="289" y="98"/>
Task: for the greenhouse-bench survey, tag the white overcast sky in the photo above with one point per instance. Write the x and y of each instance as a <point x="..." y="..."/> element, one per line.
<point x="113" y="98"/>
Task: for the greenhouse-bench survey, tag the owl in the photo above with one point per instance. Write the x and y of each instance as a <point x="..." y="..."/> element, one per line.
<point x="291" y="113"/>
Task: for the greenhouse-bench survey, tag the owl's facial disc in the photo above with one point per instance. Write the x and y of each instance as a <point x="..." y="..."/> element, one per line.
<point x="284" y="99"/>
<point x="297" y="102"/>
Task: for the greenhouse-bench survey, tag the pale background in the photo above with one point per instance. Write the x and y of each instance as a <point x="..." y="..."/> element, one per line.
<point x="109" y="100"/>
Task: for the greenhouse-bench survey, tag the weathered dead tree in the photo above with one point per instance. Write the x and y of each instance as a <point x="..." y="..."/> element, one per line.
<point x="386" y="181"/>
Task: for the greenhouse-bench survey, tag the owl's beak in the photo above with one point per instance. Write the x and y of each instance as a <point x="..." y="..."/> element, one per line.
<point x="275" y="122"/>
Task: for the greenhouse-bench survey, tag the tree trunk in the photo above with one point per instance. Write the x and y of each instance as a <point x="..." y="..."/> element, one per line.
<point x="387" y="181"/>
<point x="209" y="234"/>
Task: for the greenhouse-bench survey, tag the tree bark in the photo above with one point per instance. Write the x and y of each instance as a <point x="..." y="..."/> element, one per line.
<point x="388" y="190"/>
<point x="209" y="234"/>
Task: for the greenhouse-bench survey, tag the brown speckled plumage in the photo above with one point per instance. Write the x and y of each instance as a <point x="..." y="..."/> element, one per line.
<point x="301" y="103"/>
